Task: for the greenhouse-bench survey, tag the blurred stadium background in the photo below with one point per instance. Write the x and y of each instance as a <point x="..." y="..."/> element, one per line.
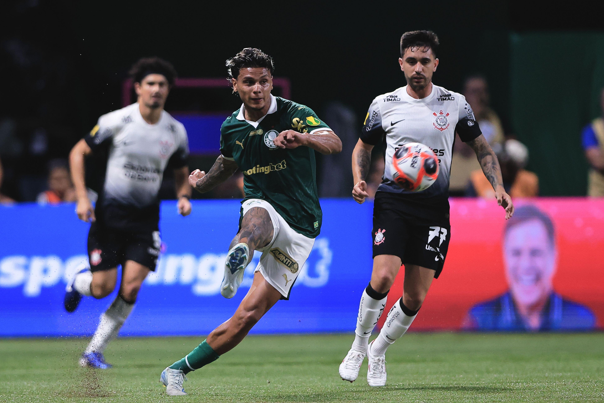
<point x="64" y="63"/>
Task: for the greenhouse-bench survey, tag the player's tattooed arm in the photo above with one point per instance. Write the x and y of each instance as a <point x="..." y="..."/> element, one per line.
<point x="220" y="171"/>
<point x="490" y="166"/>
<point x="361" y="163"/>
<point x="323" y="140"/>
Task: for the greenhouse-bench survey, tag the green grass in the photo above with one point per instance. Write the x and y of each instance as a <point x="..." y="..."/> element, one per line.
<point x="440" y="367"/>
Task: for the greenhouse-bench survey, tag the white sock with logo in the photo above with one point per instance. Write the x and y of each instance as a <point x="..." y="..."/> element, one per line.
<point x="370" y="310"/>
<point x="396" y="324"/>
<point x="110" y="325"/>
<point x="82" y="283"/>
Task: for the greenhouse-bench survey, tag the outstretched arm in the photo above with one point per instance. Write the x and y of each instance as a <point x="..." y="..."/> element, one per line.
<point x="323" y="140"/>
<point x="220" y="171"/>
<point x="490" y="166"/>
<point x="361" y="163"/>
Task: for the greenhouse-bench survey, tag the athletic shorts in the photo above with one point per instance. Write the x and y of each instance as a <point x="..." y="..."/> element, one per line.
<point x="415" y="240"/>
<point x="283" y="258"/>
<point x="108" y="248"/>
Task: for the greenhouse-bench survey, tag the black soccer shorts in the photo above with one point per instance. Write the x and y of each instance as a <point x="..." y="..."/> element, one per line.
<point x="415" y="240"/>
<point x="108" y="248"/>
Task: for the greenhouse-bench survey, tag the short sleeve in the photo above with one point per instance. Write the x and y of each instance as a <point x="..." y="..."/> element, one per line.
<point x="373" y="132"/>
<point x="99" y="136"/>
<point x="306" y="120"/>
<point x="589" y="138"/>
<point x="467" y="126"/>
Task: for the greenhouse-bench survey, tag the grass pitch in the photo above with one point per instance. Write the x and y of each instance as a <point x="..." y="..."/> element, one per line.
<point x="421" y="368"/>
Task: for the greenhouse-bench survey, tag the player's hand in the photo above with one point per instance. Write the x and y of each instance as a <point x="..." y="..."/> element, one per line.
<point x="289" y="139"/>
<point x="195" y="176"/>
<point x="359" y="192"/>
<point x="505" y="201"/>
<point x="85" y="211"/>
<point x="184" y="206"/>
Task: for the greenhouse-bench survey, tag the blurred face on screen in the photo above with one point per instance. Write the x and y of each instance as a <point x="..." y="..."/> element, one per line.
<point x="530" y="263"/>
<point x="152" y="91"/>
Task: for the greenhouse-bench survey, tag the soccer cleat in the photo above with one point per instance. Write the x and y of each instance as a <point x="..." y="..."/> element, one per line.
<point x="72" y="296"/>
<point x="351" y="364"/>
<point x="172" y="380"/>
<point x="376" y="371"/>
<point x="235" y="264"/>
<point x="94" y="360"/>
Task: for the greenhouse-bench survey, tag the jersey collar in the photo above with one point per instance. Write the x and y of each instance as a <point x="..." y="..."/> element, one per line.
<point x="271" y="110"/>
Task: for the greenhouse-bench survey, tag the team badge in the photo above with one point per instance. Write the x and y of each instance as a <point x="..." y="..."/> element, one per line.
<point x="312" y="121"/>
<point x="441" y="123"/>
<point x="379" y="237"/>
<point x="269" y="139"/>
<point x="164" y="148"/>
<point x="95" y="257"/>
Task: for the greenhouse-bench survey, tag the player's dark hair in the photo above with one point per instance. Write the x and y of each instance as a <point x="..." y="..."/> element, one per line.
<point x="529" y="212"/>
<point x="248" y="57"/>
<point x="152" y="65"/>
<point x="422" y="39"/>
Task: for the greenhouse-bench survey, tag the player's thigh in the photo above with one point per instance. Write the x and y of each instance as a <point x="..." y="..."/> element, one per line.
<point x="390" y="233"/>
<point x="143" y="248"/>
<point x="284" y="257"/>
<point x="428" y="245"/>
<point x="258" y="222"/>
<point x="385" y="270"/>
<point x="133" y="274"/>
<point x="103" y="255"/>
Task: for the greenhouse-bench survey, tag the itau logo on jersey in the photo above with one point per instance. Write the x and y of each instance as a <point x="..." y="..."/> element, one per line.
<point x="441" y="123"/>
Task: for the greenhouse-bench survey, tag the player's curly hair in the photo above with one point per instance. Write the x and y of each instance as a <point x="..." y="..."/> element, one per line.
<point x="152" y="65"/>
<point x="413" y="39"/>
<point x="248" y="57"/>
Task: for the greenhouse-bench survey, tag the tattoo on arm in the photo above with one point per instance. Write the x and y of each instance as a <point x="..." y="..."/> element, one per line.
<point x="363" y="161"/>
<point x="220" y="171"/>
<point x="488" y="160"/>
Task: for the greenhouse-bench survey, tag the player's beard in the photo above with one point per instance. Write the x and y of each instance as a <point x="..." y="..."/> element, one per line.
<point x="417" y="87"/>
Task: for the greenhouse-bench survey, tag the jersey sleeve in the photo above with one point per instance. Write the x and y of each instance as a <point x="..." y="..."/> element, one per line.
<point x="180" y="156"/>
<point x="373" y="132"/>
<point x="305" y="120"/>
<point x="225" y="147"/>
<point x="100" y="136"/>
<point x="589" y="138"/>
<point x="467" y="126"/>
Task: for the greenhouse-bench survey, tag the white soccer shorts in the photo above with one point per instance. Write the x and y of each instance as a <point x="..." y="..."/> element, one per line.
<point x="283" y="258"/>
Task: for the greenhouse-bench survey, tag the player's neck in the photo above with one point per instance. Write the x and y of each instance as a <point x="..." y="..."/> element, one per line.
<point x="150" y="115"/>
<point x="420" y="94"/>
<point x="254" y="115"/>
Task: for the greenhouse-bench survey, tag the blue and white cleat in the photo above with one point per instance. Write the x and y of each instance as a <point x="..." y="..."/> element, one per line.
<point x="94" y="360"/>
<point x="173" y="380"/>
<point x="236" y="261"/>
<point x="72" y="296"/>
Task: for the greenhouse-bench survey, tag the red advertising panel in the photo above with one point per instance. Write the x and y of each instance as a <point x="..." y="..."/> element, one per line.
<point x="542" y="271"/>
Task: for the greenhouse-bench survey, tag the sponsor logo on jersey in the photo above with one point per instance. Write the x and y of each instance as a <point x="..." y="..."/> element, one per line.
<point x="298" y="125"/>
<point x="379" y="237"/>
<point x="95" y="257"/>
<point x="266" y="169"/>
<point x="312" y="121"/>
<point x="239" y="143"/>
<point x="258" y="132"/>
<point x="392" y="98"/>
<point x="469" y="112"/>
<point x="141" y="173"/>
<point x="393" y="123"/>
<point x="94" y="131"/>
<point x="286" y="279"/>
<point x="269" y="139"/>
<point x="445" y="97"/>
<point x="127" y="119"/>
<point x="285" y="260"/>
<point x="369" y="124"/>
<point x="441" y="122"/>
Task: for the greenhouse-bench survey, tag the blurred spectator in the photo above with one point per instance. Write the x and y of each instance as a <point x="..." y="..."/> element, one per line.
<point x="531" y="304"/>
<point x="593" y="145"/>
<point x="464" y="161"/>
<point x="60" y="188"/>
<point x="512" y="156"/>
<point x="3" y="199"/>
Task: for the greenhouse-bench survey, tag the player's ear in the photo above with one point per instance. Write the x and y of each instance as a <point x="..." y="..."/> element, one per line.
<point x="234" y="84"/>
<point x="137" y="88"/>
<point x="436" y="61"/>
<point x="400" y="61"/>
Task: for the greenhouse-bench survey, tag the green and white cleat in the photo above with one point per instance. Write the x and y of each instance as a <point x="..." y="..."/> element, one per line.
<point x="236" y="261"/>
<point x="173" y="380"/>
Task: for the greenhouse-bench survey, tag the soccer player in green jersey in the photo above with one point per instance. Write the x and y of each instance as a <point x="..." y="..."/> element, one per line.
<point x="273" y="141"/>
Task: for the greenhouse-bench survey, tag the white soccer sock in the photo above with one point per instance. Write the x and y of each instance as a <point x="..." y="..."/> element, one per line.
<point x="395" y="326"/>
<point x="370" y="311"/>
<point x="82" y="283"/>
<point x="110" y="325"/>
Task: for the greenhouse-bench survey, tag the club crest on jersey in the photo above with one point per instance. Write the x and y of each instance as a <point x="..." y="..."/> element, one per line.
<point x="269" y="139"/>
<point x="441" y="123"/>
<point x="379" y="237"/>
<point x="95" y="257"/>
<point x="164" y="148"/>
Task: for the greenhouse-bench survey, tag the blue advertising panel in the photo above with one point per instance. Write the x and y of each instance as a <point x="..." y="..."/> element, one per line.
<point x="42" y="246"/>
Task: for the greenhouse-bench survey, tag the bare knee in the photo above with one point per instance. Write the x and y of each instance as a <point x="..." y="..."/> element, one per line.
<point x="414" y="300"/>
<point x="129" y="293"/>
<point x="100" y="289"/>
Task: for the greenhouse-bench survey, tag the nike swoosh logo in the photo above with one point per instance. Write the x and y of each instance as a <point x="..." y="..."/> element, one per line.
<point x="393" y="123"/>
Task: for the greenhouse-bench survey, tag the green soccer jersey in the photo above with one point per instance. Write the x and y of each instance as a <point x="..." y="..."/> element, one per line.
<point x="284" y="178"/>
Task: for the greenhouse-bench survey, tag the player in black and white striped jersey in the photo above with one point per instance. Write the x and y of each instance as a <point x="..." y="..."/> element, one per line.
<point x="410" y="228"/>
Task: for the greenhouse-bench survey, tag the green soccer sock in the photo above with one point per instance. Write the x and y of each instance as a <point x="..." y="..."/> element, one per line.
<point x="202" y="355"/>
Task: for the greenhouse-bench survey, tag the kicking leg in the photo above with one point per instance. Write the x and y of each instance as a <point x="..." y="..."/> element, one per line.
<point x="417" y="283"/>
<point x="256" y="232"/>
<point x="373" y="302"/>
<point x="260" y="298"/>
